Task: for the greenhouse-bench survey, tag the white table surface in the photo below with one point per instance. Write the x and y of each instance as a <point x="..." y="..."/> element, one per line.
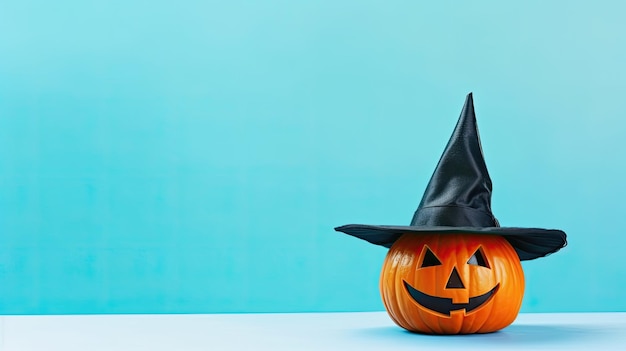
<point x="300" y="331"/>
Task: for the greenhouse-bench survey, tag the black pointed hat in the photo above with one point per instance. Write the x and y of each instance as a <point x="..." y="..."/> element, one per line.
<point x="458" y="200"/>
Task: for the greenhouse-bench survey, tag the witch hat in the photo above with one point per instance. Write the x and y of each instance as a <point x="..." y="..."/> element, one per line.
<point x="458" y="200"/>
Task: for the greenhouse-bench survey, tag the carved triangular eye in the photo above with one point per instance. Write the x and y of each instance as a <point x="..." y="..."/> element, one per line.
<point x="478" y="259"/>
<point x="430" y="259"/>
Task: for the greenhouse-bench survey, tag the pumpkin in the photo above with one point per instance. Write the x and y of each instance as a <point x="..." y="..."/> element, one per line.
<point x="452" y="283"/>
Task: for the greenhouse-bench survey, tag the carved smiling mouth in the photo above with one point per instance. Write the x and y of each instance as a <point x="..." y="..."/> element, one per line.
<point x="445" y="305"/>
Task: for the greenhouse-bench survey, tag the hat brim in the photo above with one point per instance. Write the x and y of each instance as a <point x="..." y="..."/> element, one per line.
<point x="529" y="243"/>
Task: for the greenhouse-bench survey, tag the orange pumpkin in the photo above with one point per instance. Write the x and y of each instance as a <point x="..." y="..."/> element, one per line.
<point x="452" y="283"/>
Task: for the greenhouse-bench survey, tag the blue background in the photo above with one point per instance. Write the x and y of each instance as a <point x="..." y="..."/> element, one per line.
<point x="194" y="156"/>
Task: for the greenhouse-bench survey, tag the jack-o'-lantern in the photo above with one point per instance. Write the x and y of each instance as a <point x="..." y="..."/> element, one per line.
<point x="452" y="283"/>
<point x="454" y="270"/>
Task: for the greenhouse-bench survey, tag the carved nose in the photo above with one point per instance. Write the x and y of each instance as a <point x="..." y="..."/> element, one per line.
<point x="454" y="282"/>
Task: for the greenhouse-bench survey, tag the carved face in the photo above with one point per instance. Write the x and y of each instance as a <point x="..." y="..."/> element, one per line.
<point x="452" y="283"/>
